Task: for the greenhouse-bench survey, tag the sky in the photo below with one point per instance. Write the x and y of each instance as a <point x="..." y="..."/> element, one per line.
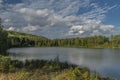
<point x="61" y="18"/>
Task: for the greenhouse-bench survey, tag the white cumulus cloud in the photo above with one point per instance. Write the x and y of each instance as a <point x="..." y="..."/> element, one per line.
<point x="56" y="18"/>
<point x="11" y="28"/>
<point x="91" y="27"/>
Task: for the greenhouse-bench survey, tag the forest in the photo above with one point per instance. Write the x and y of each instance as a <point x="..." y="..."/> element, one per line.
<point x="16" y="39"/>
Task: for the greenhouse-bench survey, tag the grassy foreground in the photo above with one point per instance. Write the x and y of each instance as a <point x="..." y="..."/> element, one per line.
<point x="44" y="70"/>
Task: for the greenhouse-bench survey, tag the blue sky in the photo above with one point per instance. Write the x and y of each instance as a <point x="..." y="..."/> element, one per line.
<point x="113" y="15"/>
<point x="61" y="18"/>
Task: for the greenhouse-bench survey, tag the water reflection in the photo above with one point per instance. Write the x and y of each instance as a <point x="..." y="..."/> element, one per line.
<point x="104" y="61"/>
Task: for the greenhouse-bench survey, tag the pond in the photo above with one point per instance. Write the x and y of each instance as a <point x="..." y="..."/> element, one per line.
<point x="104" y="61"/>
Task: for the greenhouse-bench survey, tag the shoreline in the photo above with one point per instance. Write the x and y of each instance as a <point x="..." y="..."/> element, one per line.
<point x="47" y="68"/>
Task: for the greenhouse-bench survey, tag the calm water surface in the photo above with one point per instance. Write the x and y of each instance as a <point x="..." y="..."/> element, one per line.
<point x="104" y="61"/>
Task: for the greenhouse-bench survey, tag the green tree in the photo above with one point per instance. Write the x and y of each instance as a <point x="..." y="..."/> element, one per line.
<point x="3" y="39"/>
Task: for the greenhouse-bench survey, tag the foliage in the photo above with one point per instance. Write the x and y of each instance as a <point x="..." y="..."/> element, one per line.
<point x="16" y="39"/>
<point x="43" y="70"/>
<point x="24" y="40"/>
<point x="3" y="39"/>
<point x="88" y="42"/>
<point x="4" y="64"/>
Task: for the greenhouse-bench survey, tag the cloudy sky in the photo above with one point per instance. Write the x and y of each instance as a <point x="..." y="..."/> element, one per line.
<point x="61" y="18"/>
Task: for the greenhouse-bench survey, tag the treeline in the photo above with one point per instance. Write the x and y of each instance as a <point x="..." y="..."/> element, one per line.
<point x="10" y="39"/>
<point x="17" y="39"/>
<point x="87" y="42"/>
<point x="44" y="70"/>
<point x="24" y="40"/>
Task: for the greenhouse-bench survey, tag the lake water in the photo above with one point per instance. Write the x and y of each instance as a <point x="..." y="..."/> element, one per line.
<point x="104" y="61"/>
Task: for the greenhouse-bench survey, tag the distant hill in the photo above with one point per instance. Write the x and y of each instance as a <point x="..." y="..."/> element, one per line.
<point x="17" y="39"/>
<point x="23" y="35"/>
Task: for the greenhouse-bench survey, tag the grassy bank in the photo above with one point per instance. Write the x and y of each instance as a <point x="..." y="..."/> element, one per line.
<point x="44" y="70"/>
